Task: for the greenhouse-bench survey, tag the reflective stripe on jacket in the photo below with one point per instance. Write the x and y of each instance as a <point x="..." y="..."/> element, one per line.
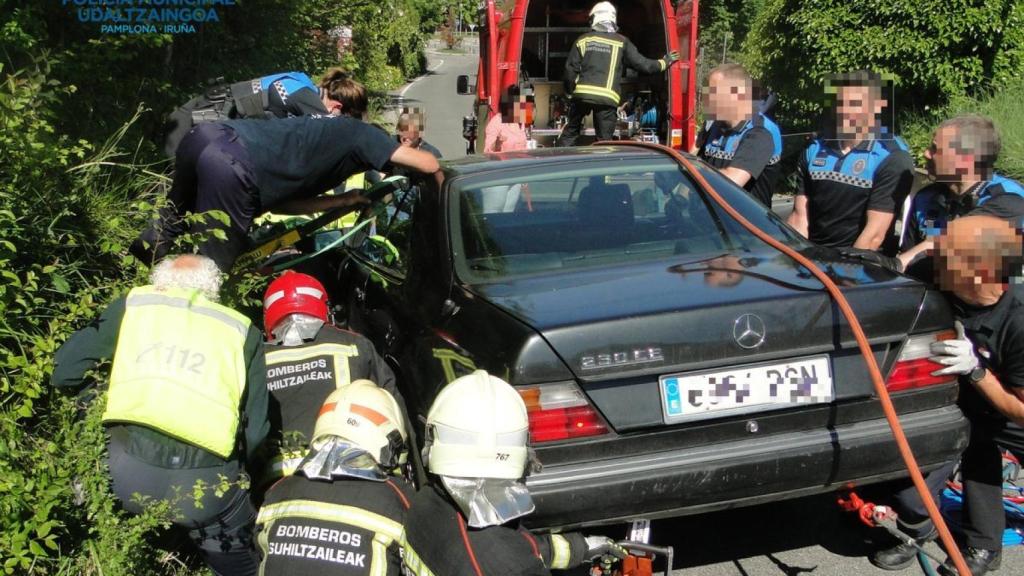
<point x="179" y="367"/>
<point x="593" y="71"/>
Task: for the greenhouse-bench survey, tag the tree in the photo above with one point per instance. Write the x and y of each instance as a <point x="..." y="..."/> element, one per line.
<point x="934" y="49"/>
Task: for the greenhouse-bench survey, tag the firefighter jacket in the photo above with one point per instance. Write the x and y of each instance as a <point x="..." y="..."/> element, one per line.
<point x="188" y="381"/>
<point x="160" y="428"/>
<point x="593" y="71"/>
<point x="439" y="543"/>
<point x="299" y="379"/>
<point x="347" y="527"/>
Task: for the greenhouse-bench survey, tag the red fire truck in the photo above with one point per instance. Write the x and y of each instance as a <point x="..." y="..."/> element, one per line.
<point x="525" y="43"/>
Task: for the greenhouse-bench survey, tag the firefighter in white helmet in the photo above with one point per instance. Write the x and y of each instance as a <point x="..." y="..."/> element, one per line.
<point x="593" y="73"/>
<point x="467" y="521"/>
<point x="307" y="359"/>
<point x="342" y="512"/>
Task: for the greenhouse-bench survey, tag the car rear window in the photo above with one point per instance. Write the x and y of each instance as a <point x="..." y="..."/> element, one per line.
<point x="596" y="214"/>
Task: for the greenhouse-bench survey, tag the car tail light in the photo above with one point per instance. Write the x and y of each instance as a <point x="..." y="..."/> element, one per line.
<point x="676" y="138"/>
<point x="914" y="368"/>
<point x="560" y="412"/>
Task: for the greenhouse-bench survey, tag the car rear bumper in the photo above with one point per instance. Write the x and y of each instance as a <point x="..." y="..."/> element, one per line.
<point x="741" y="473"/>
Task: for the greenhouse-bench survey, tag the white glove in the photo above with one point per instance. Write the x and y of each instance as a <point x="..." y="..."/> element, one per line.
<point x="957" y="354"/>
<point x="598" y="546"/>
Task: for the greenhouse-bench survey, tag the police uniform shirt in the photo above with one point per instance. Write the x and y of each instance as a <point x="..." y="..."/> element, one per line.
<point x="439" y="543"/>
<point x="292" y="94"/>
<point x="997" y="332"/>
<point x="306" y="156"/>
<point x="299" y="379"/>
<point x="339" y="528"/>
<point x="754" y="146"/>
<point x="841" y="188"/>
<point x="936" y="204"/>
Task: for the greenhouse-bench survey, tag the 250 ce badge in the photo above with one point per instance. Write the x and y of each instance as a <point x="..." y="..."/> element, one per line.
<point x="622" y="358"/>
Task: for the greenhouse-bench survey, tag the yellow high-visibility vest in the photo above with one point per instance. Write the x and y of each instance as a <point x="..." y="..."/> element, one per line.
<point x="179" y="367"/>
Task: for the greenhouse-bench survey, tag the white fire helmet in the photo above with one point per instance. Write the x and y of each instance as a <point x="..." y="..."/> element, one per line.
<point x="478" y="428"/>
<point x="602" y="12"/>
<point x="358" y="419"/>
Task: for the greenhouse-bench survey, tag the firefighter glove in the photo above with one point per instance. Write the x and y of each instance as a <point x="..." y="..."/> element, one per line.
<point x="598" y="546"/>
<point x="957" y="355"/>
<point x="671" y="58"/>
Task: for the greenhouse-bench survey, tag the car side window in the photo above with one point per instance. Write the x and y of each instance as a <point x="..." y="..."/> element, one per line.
<point x="389" y="238"/>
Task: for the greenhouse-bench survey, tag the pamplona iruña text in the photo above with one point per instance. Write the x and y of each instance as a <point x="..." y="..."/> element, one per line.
<point x="147" y="16"/>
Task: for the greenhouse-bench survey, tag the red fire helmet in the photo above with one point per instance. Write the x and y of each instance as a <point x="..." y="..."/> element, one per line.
<point x="291" y="293"/>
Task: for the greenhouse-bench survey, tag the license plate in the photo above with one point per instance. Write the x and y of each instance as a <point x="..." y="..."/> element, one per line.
<point x="751" y="388"/>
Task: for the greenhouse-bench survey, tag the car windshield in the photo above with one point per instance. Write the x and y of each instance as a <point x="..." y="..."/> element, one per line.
<point x="597" y="214"/>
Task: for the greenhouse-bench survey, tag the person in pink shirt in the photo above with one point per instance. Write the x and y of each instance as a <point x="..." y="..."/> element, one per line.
<point x="505" y="132"/>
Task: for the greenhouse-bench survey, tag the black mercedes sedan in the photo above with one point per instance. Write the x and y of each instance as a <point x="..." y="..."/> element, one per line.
<point x="671" y="362"/>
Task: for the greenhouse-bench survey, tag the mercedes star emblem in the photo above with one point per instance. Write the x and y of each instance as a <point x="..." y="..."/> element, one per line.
<point x="748" y="331"/>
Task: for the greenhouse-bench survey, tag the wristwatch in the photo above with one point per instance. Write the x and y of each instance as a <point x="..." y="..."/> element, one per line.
<point x="977" y="375"/>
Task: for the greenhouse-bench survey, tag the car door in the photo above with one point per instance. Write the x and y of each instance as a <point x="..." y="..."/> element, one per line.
<point x="377" y="272"/>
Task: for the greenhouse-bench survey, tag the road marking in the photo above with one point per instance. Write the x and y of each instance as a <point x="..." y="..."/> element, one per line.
<point x="410" y="84"/>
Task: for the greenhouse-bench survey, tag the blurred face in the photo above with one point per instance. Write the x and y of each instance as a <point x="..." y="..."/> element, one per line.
<point x="858" y="112"/>
<point x="970" y="253"/>
<point x="518" y="112"/>
<point x="728" y="100"/>
<point x="943" y="162"/>
<point x="409" y="137"/>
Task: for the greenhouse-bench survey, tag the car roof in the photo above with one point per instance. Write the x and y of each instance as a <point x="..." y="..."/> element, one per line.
<point x="541" y="156"/>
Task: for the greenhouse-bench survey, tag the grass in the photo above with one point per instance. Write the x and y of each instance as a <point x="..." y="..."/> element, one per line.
<point x="1003" y="106"/>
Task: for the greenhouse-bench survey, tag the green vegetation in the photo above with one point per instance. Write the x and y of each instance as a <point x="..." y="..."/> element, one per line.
<point x="936" y="50"/>
<point x="80" y="171"/>
<point x="1002" y="106"/>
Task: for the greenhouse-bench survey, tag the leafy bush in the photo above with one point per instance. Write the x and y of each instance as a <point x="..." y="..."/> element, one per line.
<point x="936" y="49"/>
<point x="1002" y="106"/>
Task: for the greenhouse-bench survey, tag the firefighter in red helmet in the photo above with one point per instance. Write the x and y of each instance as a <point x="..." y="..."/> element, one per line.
<point x="307" y="359"/>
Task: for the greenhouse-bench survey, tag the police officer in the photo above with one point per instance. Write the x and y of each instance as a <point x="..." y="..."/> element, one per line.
<point x="467" y="521"/>
<point x="187" y="403"/>
<point x="247" y="167"/>
<point x="342" y="513"/>
<point x="593" y="73"/>
<point x="279" y="95"/>
<point x="961" y="161"/>
<point x="979" y="267"/>
<point x="744" y="144"/>
<point x="849" y="188"/>
<point x="307" y="359"/>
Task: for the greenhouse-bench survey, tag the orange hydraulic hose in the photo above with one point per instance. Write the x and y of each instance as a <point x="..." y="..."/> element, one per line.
<point x="862" y="342"/>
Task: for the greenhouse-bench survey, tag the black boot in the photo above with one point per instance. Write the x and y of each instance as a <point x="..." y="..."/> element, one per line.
<point x="979" y="561"/>
<point x="901" y="555"/>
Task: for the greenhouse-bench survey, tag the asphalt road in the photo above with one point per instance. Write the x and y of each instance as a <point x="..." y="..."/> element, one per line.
<point x="435" y="93"/>
<point x="805" y="536"/>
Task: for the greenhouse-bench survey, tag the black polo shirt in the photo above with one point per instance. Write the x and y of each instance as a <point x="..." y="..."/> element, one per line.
<point x="754" y="146"/>
<point x="998" y="335"/>
<point x="307" y="156"/>
<point x="841" y="188"/>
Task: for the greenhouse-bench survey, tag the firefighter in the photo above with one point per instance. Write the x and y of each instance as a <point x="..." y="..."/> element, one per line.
<point x="467" y="521"/>
<point x="343" y="512"/>
<point x="187" y="403"/>
<point x="244" y="168"/>
<point x="307" y="359"/>
<point x="961" y="161"/>
<point x="593" y="74"/>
